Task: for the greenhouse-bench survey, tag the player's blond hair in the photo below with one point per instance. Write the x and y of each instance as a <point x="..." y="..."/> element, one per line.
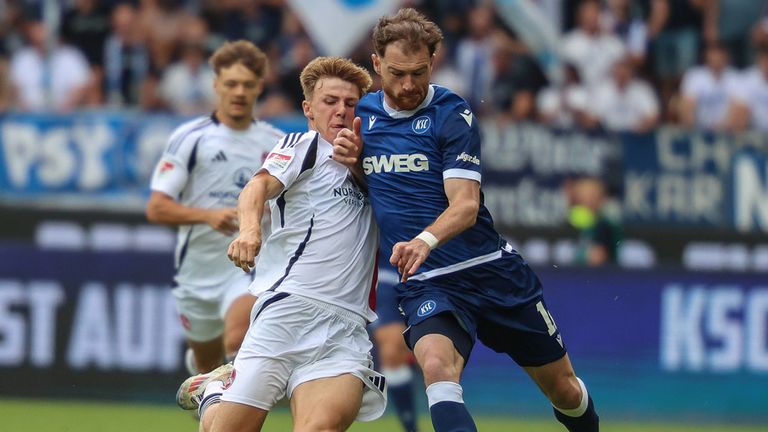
<point x="333" y="67"/>
<point x="241" y="51"/>
<point x="408" y="26"/>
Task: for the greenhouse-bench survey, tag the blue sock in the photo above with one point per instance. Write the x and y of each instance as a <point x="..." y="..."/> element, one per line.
<point x="400" y="391"/>
<point x="584" y="418"/>
<point x="447" y="408"/>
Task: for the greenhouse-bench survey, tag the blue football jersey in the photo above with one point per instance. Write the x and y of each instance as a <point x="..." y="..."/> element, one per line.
<point x="406" y="156"/>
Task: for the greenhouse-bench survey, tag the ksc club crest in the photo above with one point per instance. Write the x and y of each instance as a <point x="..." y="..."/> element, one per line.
<point x="427" y="308"/>
<point x="421" y="124"/>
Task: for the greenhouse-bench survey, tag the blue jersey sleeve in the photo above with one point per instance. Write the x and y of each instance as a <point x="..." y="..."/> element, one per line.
<point x="460" y="143"/>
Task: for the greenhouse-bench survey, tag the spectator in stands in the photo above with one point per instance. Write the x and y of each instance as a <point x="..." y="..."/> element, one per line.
<point x="730" y="23"/>
<point x="753" y="94"/>
<point x="589" y="48"/>
<point x="708" y="92"/>
<point x="185" y="87"/>
<point x="6" y="96"/>
<point x="126" y="59"/>
<point x="621" y="19"/>
<point x="624" y="102"/>
<point x="163" y="22"/>
<point x="474" y="58"/>
<point x="760" y="31"/>
<point x="516" y="80"/>
<point x="86" y="27"/>
<point x="673" y="28"/>
<point x="444" y="72"/>
<point x="598" y="224"/>
<point x="48" y="76"/>
<point x="565" y="105"/>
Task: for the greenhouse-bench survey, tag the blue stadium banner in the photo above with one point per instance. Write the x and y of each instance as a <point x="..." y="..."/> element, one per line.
<point x="749" y="190"/>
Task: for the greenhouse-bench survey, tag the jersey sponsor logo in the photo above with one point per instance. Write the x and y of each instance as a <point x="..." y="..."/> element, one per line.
<point x="466" y="157"/>
<point x="396" y="162"/>
<point x="467" y="116"/>
<point x="350" y="196"/>
<point x="421" y="124"/>
<point x="427" y="308"/>
<point x="279" y="160"/>
<point x="220" y="157"/>
<point x="241" y="177"/>
<point x="371" y="121"/>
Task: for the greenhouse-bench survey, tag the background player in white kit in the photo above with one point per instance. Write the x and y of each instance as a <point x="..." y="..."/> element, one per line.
<point x="307" y="338"/>
<point x="195" y="186"/>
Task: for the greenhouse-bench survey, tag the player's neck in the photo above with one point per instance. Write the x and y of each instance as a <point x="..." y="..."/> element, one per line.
<point x="236" y="124"/>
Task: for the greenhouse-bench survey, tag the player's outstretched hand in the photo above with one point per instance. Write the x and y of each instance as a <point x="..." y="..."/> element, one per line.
<point x="408" y="256"/>
<point x="348" y="145"/>
<point x="243" y="250"/>
<point x="223" y="220"/>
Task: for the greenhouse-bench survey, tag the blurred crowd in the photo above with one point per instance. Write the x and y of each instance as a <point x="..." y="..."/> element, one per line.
<point x="626" y="64"/>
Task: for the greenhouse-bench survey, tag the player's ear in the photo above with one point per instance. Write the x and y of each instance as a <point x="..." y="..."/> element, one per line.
<point x="307" y="110"/>
<point x="376" y="63"/>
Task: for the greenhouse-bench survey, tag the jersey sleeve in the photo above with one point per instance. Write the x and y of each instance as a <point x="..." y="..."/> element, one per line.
<point x="293" y="154"/>
<point x="460" y="144"/>
<point x="177" y="161"/>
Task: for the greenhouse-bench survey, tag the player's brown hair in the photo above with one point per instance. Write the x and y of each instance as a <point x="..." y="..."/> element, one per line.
<point x="407" y="26"/>
<point x="241" y="51"/>
<point x="333" y="67"/>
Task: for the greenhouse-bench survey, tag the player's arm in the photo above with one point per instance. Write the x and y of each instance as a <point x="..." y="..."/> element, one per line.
<point x="461" y="214"/>
<point x="250" y="209"/>
<point x="163" y="209"/>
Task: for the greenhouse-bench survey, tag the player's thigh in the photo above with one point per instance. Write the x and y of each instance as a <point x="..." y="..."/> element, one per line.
<point x="326" y="404"/>
<point x="393" y="351"/>
<point x="235" y="417"/>
<point x="236" y="321"/>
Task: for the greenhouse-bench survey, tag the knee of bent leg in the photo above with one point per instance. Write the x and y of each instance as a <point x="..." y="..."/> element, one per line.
<point x="565" y="393"/>
<point x="440" y="366"/>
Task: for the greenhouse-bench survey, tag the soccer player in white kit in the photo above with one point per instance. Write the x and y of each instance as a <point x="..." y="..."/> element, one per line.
<point x="314" y="278"/>
<point x="195" y="186"/>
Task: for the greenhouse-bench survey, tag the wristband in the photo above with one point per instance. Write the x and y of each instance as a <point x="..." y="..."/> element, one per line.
<point x="429" y="239"/>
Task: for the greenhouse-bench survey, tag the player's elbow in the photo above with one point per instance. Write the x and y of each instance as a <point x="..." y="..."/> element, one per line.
<point x="471" y="209"/>
<point x="152" y="213"/>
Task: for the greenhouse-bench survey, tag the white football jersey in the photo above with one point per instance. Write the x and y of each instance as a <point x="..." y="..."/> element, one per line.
<point x="205" y="165"/>
<point x="324" y="239"/>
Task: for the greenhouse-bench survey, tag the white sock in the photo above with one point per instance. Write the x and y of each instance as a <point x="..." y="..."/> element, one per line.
<point x="444" y="391"/>
<point x="397" y="376"/>
<point x="582" y="408"/>
<point x="211" y="396"/>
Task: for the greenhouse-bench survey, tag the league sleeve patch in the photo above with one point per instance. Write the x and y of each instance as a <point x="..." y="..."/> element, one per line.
<point x="166" y="167"/>
<point x="279" y="160"/>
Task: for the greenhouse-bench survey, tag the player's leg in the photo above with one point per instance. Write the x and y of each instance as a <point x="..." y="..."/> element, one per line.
<point x="326" y="404"/>
<point x="441" y="346"/>
<point x="233" y="417"/>
<point x="396" y="365"/>
<point x="203" y="327"/>
<point x="236" y="322"/>
<point x="572" y="404"/>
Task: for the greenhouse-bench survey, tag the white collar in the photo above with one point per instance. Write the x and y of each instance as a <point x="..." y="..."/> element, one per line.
<point x="407" y="113"/>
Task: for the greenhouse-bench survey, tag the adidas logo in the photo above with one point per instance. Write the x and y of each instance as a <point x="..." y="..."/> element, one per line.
<point x="220" y="157"/>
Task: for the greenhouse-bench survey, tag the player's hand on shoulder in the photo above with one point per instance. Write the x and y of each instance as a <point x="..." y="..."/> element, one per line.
<point x="408" y="256"/>
<point x="244" y="249"/>
<point x="348" y="145"/>
<point x="223" y="220"/>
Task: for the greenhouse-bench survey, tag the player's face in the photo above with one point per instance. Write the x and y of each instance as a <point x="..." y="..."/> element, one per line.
<point x="237" y="89"/>
<point x="405" y="75"/>
<point x="332" y="106"/>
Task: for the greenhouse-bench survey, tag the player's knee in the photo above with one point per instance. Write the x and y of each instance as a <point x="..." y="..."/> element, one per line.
<point x="328" y="422"/>
<point x="439" y="368"/>
<point x="393" y="353"/>
<point x="566" y="393"/>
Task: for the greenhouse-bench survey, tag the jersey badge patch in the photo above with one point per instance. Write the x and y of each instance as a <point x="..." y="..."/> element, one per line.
<point x="467" y="116"/>
<point x="166" y="167"/>
<point x="421" y="124"/>
<point x="279" y="160"/>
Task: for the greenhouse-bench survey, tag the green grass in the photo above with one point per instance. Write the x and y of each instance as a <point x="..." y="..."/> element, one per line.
<point x="57" y="416"/>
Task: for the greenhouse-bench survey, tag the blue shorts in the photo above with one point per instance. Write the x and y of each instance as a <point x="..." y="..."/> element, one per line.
<point x="387" y="306"/>
<point x="500" y="303"/>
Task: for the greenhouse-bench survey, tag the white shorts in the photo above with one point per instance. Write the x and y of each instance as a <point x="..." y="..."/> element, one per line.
<point x="202" y="309"/>
<point x="293" y="340"/>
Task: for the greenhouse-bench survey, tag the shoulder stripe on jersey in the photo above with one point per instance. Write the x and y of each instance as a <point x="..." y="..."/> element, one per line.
<point x="296" y="141"/>
<point x="174" y="146"/>
<point x="291" y="140"/>
<point x="311" y="157"/>
<point x="296" y="255"/>
<point x="193" y="157"/>
<point x="184" y="249"/>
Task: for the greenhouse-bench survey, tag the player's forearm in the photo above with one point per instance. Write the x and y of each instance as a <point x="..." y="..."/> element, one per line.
<point x="170" y="212"/>
<point x="250" y="205"/>
<point x="457" y="218"/>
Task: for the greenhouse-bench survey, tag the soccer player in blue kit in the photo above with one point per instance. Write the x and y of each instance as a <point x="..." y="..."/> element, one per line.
<point x="419" y="145"/>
